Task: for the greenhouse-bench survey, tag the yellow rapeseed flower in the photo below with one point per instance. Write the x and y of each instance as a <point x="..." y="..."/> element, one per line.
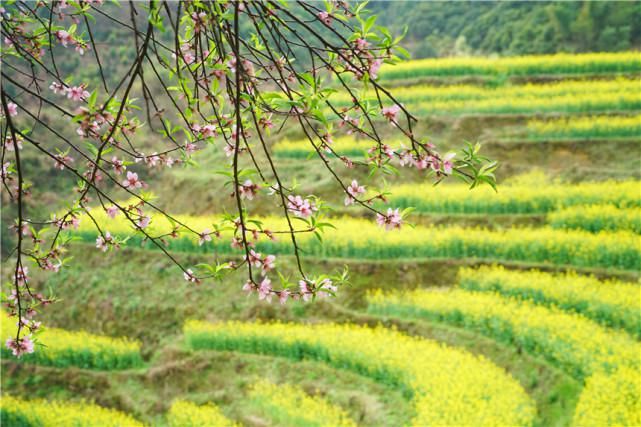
<point x="612" y="302"/>
<point x="76" y="348"/>
<point x="448" y="386"/>
<point x="44" y="413"/>
<point x="187" y="414"/>
<point x="288" y="405"/>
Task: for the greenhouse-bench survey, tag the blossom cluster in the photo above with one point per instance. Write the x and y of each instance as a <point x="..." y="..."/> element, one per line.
<point x="220" y="95"/>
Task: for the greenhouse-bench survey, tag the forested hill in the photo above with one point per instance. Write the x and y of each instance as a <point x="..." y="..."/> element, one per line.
<point x="449" y="28"/>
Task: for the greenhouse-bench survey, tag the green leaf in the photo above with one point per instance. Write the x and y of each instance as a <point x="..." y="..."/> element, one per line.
<point x="369" y="23"/>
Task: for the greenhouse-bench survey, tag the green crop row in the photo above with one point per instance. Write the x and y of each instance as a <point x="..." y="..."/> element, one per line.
<point x="596" y="218"/>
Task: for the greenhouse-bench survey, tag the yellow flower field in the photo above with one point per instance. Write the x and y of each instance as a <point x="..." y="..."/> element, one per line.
<point x="610" y="400"/>
<point x="187" y="414"/>
<point x="358" y="238"/>
<point x="64" y="348"/>
<point x="448" y="386"/>
<point x="578" y="345"/>
<point x="560" y="63"/>
<point x="597" y="218"/>
<point x="585" y="127"/>
<point x="42" y="413"/>
<point x="514" y="199"/>
<point x="611" y="302"/>
<point x="289" y="406"/>
<point x="468" y="92"/>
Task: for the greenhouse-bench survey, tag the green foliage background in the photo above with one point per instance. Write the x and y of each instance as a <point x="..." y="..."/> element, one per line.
<point x="439" y="28"/>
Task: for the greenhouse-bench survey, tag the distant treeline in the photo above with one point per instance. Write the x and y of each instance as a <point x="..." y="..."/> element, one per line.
<point x="438" y="28"/>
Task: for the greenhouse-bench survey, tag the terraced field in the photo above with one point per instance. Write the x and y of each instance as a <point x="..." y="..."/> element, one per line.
<point x="516" y="307"/>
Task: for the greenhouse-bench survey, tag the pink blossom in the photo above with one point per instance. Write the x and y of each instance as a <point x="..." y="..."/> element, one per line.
<point x="64" y="37"/>
<point x="34" y="326"/>
<point x="199" y="20"/>
<point x="254" y="258"/>
<point x="374" y="67"/>
<point x="49" y="266"/>
<point x="268" y="263"/>
<point x="190" y="147"/>
<point x="189" y="57"/>
<point x="143" y="221"/>
<point x="21" y="275"/>
<point x="229" y="150"/>
<point x="264" y="290"/>
<point x="190" y="277"/>
<point x="248" y="286"/>
<point x="390" y="221"/>
<point x="266" y="122"/>
<point x="24" y="228"/>
<point x="405" y="157"/>
<point x="347" y="162"/>
<point x="77" y="93"/>
<point x="421" y="162"/>
<point x="248" y="190"/>
<point x="236" y="243"/>
<point x="304" y="290"/>
<point x="219" y="74"/>
<point x="13" y="109"/>
<point x="283" y="295"/>
<point x="205" y="236"/>
<point x="387" y="150"/>
<point x="9" y="143"/>
<point x="391" y="113"/>
<point x="325" y="17"/>
<point x="118" y="165"/>
<point x="5" y="170"/>
<point x="208" y="131"/>
<point x="361" y="44"/>
<point x="132" y="181"/>
<point x="103" y="242"/>
<point x="21" y="346"/>
<point x="112" y="211"/>
<point x="187" y="54"/>
<point x="81" y="47"/>
<point x="152" y="160"/>
<point x="58" y="88"/>
<point x="354" y="190"/>
<point x="447" y="164"/>
<point x="61" y="160"/>
<point x="300" y="207"/>
<point x="325" y="287"/>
